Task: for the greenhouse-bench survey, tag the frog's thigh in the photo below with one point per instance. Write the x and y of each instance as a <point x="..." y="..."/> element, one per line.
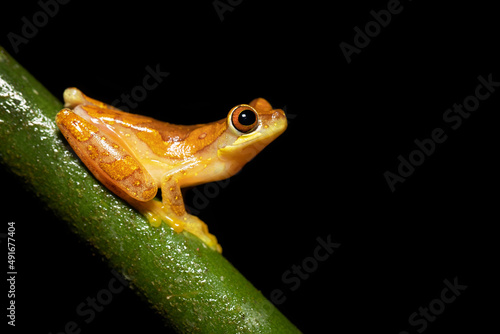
<point x="110" y="163"/>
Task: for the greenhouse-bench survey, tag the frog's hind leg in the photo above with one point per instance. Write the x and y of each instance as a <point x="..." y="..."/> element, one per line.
<point x="106" y="157"/>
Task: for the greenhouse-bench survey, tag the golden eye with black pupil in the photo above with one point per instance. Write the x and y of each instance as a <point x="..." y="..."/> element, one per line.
<point x="244" y="119"/>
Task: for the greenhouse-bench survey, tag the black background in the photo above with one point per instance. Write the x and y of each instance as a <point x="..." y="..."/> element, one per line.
<point x="348" y="123"/>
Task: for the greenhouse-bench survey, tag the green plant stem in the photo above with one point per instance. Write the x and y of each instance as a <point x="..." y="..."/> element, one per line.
<point x="193" y="287"/>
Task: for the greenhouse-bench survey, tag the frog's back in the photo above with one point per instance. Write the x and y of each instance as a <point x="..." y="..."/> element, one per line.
<point x="146" y="137"/>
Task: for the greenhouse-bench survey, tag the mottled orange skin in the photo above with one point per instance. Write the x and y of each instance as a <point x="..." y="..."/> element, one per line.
<point x="134" y="155"/>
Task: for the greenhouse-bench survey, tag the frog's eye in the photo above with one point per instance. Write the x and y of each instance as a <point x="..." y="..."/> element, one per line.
<point x="244" y="118"/>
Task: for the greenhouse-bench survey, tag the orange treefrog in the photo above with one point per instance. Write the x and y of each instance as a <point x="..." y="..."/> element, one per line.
<point x="134" y="155"/>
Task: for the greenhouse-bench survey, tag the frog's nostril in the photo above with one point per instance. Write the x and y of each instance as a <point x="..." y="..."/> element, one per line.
<point x="277" y="114"/>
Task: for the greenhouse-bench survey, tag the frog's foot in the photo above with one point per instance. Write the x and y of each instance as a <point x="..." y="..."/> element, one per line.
<point x="196" y="226"/>
<point x="156" y="212"/>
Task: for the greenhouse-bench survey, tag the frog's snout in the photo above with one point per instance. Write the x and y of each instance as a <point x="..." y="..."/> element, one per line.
<point x="278" y="121"/>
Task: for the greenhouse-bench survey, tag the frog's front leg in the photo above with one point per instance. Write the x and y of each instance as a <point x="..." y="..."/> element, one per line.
<point x="174" y="202"/>
<point x="173" y="212"/>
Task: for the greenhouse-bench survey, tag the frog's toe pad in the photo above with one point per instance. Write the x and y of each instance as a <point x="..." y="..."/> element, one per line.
<point x="197" y="227"/>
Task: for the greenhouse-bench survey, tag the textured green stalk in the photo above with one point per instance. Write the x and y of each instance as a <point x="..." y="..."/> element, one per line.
<point x="193" y="287"/>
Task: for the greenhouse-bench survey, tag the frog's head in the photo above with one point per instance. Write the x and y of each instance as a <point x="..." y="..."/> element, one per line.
<point x="250" y="128"/>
